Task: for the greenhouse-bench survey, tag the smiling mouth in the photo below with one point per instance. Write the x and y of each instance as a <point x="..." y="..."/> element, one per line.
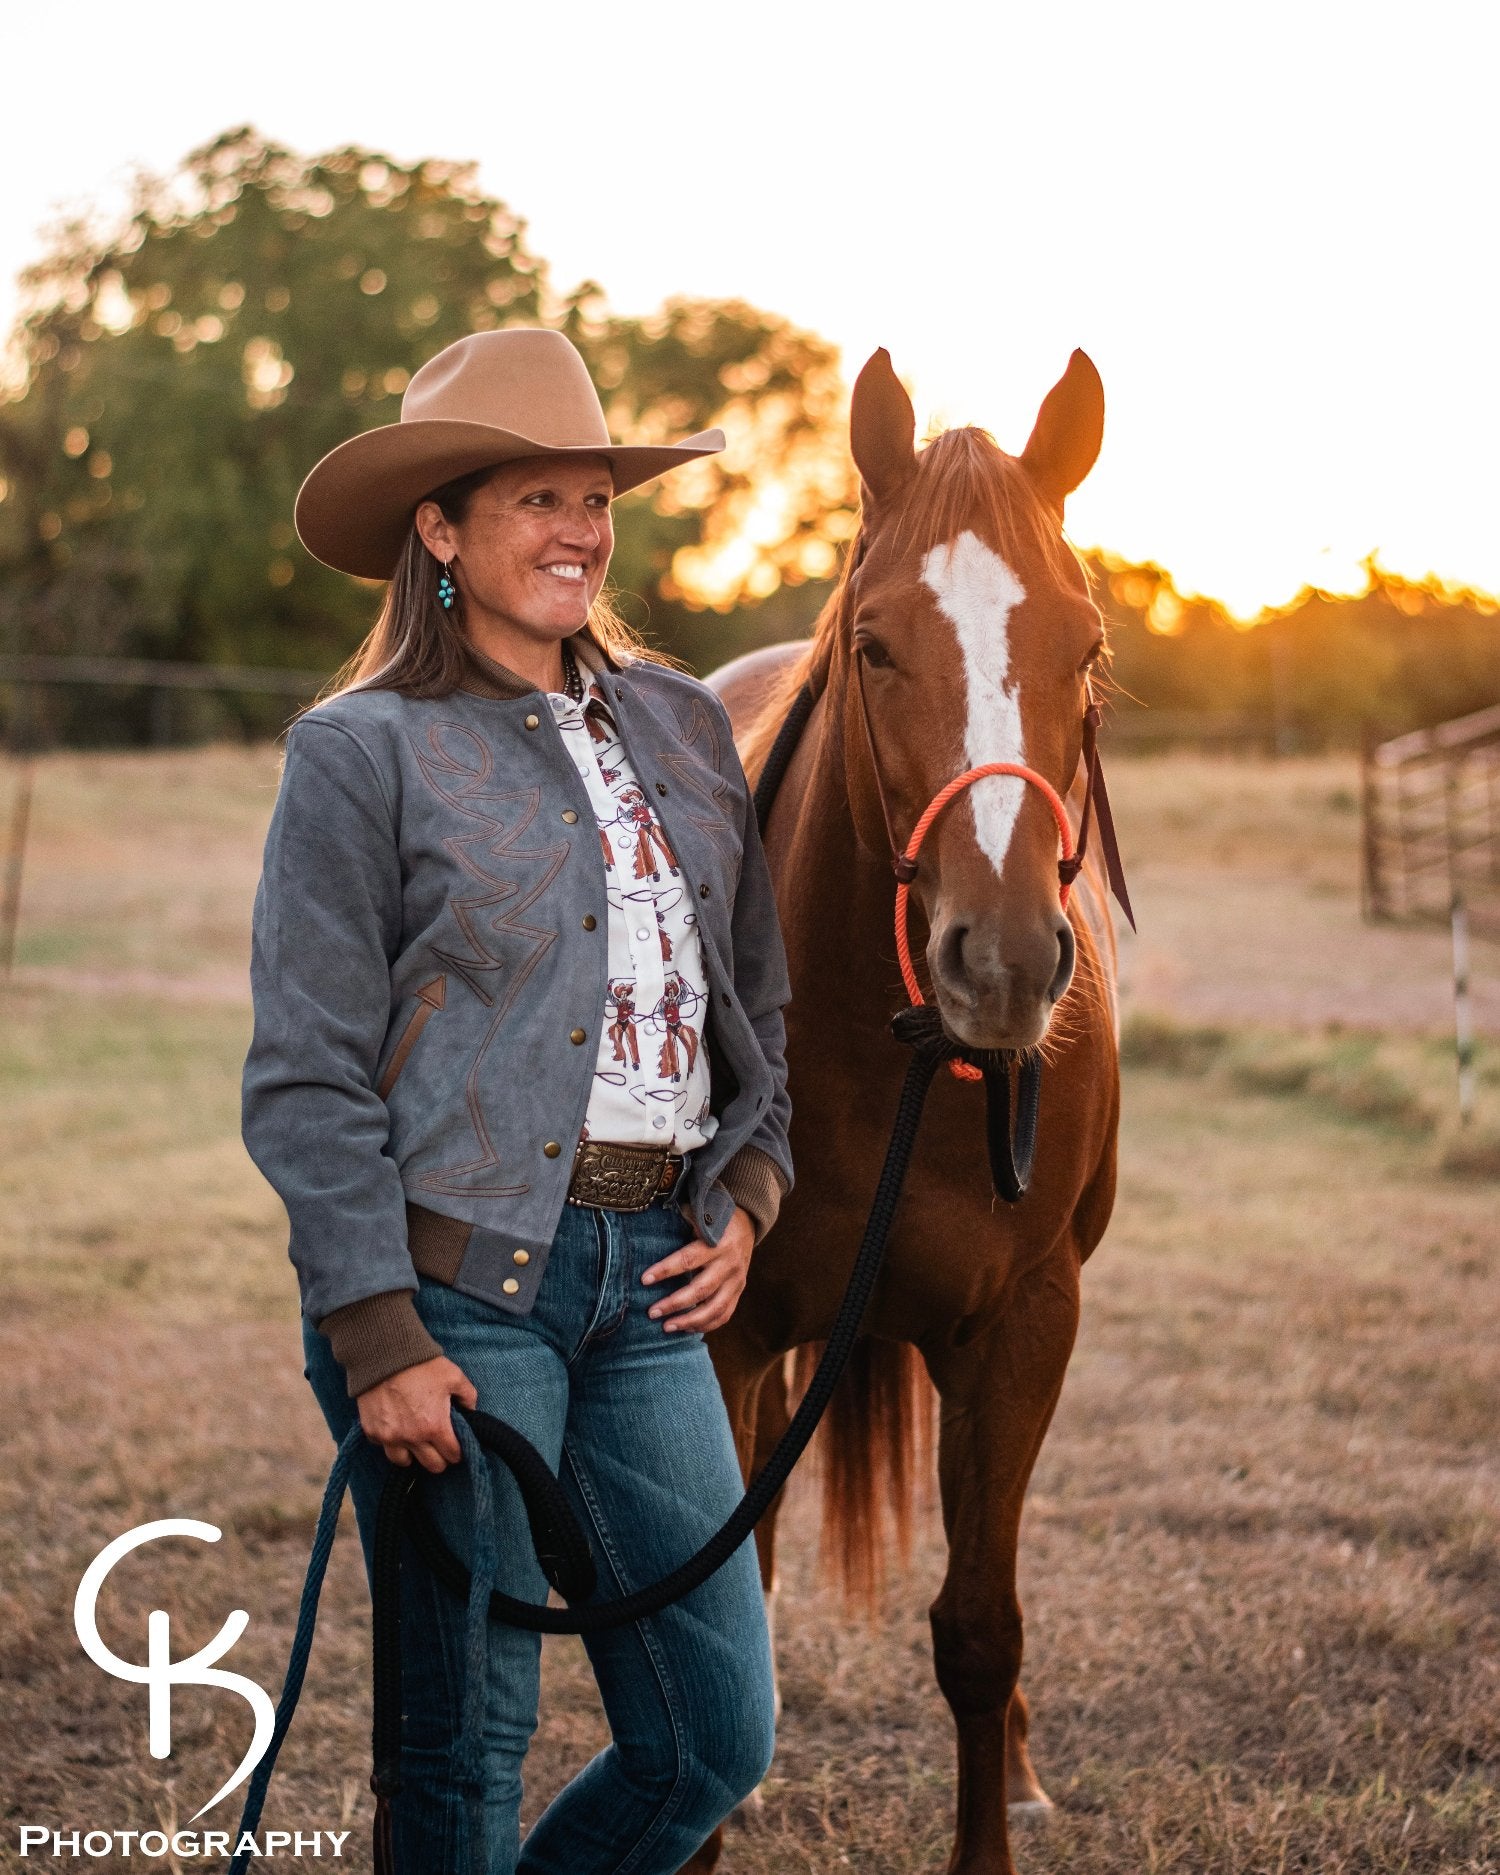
<point x="564" y="569"/>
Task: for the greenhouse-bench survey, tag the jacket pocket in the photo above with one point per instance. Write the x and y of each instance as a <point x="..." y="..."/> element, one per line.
<point x="430" y="997"/>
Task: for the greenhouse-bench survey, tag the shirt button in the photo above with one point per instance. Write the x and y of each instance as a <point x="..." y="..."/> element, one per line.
<point x="570" y="815"/>
<point x="510" y="1286"/>
<point x="520" y="1256"/>
<point x="552" y="1148"/>
<point x="532" y="721"/>
<point x="643" y="934"/>
<point x="577" y="1036"/>
<point x="659" y="1120"/>
<point x="589" y="921"/>
<point x="583" y="771"/>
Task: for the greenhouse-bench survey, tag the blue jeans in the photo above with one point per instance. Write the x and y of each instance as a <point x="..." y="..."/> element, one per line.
<point x="632" y="1420"/>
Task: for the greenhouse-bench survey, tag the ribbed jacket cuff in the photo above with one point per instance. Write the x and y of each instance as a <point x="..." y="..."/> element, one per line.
<point x="753" y="1179"/>
<point x="378" y="1336"/>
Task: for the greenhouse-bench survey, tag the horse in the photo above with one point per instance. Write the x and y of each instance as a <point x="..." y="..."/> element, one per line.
<point x="961" y="631"/>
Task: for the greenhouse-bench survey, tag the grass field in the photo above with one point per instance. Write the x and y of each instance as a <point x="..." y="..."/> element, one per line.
<point x="1261" y="1559"/>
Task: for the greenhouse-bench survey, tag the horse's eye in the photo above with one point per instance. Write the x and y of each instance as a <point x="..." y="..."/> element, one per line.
<point x="873" y="651"/>
<point x="1092" y="656"/>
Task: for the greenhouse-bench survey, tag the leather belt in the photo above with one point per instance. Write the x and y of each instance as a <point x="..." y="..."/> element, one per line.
<point x="612" y="1175"/>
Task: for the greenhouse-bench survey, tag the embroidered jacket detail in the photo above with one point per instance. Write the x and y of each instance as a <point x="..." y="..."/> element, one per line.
<point x="458" y="765"/>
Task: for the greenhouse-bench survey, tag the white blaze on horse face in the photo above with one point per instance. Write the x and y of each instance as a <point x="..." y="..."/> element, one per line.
<point x="977" y="592"/>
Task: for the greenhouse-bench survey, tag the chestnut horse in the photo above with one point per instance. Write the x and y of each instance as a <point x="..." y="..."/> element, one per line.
<point x="965" y="621"/>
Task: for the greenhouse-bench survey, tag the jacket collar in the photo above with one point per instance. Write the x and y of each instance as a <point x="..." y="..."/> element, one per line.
<point x="487" y="677"/>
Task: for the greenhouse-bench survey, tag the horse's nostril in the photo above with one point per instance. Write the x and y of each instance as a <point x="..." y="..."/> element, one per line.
<point x="1067" y="953"/>
<point x="950" y="958"/>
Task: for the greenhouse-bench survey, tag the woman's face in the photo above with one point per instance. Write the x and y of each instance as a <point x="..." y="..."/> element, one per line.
<point x="534" y="547"/>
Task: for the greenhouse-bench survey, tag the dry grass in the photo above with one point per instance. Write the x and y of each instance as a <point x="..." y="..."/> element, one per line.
<point x="1261" y="1559"/>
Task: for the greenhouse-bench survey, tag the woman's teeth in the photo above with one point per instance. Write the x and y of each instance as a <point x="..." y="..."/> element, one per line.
<point x="561" y="570"/>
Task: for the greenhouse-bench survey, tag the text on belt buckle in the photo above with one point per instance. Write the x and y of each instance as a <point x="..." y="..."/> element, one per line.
<point x="619" y="1177"/>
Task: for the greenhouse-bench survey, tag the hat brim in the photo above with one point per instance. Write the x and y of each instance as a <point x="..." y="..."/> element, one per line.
<point x="355" y="507"/>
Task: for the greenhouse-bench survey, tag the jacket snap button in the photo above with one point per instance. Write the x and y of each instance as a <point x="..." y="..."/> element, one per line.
<point x="552" y="1149"/>
<point x="577" y="1036"/>
<point x="520" y="1256"/>
<point x="661" y="787"/>
<point x="619" y="693"/>
<point x="726" y="997"/>
<point x="708" y="1217"/>
<point x="570" y="815"/>
<point x="510" y="1286"/>
<point x="703" y="891"/>
<point x="532" y="721"/>
<point x="589" y="921"/>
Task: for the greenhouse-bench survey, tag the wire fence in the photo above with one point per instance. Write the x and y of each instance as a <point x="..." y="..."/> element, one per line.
<point x="1432" y="825"/>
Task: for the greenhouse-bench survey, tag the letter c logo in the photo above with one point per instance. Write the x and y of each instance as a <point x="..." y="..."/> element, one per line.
<point x="161" y="1673"/>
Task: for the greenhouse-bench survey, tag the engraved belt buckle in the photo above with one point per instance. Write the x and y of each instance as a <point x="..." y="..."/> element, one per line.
<point x="619" y="1177"/>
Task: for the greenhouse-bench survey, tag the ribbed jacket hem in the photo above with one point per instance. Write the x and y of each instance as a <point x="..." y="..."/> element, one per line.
<point x="377" y="1337"/>
<point x="753" y="1179"/>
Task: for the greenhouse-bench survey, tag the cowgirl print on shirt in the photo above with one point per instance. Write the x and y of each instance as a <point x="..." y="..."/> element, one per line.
<point x="651" y="1075"/>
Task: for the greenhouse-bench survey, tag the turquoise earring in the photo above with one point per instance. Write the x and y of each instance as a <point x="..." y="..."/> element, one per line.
<point x="447" y="591"/>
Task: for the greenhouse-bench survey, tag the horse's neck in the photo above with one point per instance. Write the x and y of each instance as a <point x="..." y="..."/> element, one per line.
<point x="836" y="897"/>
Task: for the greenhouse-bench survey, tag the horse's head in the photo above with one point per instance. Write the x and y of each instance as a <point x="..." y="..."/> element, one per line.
<point x="968" y="634"/>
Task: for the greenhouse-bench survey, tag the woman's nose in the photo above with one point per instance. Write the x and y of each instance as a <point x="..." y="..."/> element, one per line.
<point x="580" y="527"/>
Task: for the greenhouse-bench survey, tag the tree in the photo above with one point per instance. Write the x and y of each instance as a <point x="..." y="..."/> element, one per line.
<point x="180" y="375"/>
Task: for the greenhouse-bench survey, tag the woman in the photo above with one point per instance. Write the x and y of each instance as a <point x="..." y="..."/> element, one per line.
<point x="518" y="1075"/>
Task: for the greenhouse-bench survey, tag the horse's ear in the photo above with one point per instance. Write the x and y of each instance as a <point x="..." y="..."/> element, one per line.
<point x="1069" y="429"/>
<point x="882" y="429"/>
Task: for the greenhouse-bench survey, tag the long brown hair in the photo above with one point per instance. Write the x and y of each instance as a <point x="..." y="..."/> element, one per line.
<point x="421" y="649"/>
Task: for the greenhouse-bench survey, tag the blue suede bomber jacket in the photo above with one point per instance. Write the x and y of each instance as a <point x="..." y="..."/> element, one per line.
<point x="429" y="933"/>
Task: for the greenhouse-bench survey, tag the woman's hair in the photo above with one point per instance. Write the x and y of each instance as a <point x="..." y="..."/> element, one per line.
<point x="418" y="647"/>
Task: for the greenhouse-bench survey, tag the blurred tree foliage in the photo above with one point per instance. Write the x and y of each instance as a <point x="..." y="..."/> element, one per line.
<point x="181" y="376"/>
<point x="1321" y="669"/>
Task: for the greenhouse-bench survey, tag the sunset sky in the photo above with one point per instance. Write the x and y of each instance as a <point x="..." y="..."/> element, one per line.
<point x="1273" y="228"/>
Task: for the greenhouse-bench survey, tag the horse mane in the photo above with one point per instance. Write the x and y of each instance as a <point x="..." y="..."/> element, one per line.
<point x="963" y="480"/>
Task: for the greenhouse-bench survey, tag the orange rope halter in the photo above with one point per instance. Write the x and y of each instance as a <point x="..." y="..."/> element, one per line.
<point x="907" y="867"/>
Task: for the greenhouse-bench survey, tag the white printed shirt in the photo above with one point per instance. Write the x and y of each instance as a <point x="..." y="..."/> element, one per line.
<point x="651" y="1077"/>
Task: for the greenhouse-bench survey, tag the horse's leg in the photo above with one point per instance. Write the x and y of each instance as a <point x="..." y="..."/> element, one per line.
<point x="998" y="1393"/>
<point x="1025" y="1799"/>
<point x="756" y="1397"/>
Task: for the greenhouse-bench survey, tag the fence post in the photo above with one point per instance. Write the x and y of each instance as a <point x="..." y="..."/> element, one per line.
<point x="1463" y="1016"/>
<point x="15" y="853"/>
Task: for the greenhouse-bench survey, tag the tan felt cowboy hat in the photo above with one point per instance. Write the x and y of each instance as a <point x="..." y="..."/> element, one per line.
<point x="492" y="397"/>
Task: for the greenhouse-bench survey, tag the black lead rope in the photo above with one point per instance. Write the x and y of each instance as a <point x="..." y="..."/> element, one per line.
<point x="561" y="1547"/>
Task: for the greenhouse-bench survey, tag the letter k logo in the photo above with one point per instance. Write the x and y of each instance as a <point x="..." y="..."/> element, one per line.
<point x="161" y="1673"/>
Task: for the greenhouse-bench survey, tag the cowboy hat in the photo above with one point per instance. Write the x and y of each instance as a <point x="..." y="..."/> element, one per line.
<point x="490" y="398"/>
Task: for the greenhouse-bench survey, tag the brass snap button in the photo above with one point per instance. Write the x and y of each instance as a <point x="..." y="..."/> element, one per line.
<point x="570" y="815"/>
<point x="510" y="1286"/>
<point x="520" y="1256"/>
<point x="578" y="1036"/>
<point x="589" y="921"/>
<point x="532" y="721"/>
<point x="552" y="1149"/>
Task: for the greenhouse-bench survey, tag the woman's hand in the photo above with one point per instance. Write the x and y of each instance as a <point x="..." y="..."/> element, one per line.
<point x="709" y="1299"/>
<point x="411" y="1415"/>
